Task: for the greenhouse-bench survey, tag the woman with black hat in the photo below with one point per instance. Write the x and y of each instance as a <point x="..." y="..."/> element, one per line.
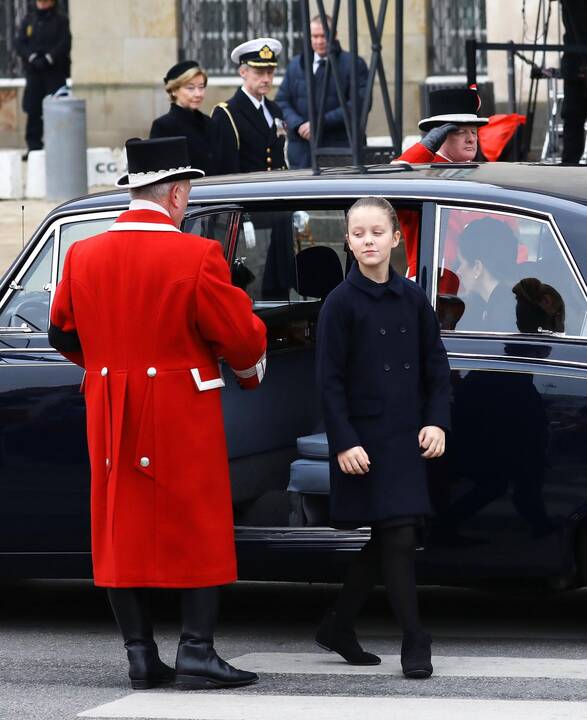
<point x="185" y="84"/>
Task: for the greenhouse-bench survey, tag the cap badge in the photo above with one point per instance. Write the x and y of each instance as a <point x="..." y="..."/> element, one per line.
<point x="265" y="53"/>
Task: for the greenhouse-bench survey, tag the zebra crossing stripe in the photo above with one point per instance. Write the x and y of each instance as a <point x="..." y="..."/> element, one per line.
<point x="444" y="666"/>
<point x="245" y="706"/>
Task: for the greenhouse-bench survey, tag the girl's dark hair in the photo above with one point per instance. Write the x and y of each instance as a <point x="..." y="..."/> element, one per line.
<point x="376" y="202"/>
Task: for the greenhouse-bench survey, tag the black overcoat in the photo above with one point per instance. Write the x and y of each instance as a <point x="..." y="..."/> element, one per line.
<point x="201" y="134"/>
<point x="383" y="374"/>
<point x="247" y="142"/>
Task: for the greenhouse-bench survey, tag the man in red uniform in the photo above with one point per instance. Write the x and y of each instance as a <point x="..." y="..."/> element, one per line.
<point x="148" y="312"/>
<point x="450" y="136"/>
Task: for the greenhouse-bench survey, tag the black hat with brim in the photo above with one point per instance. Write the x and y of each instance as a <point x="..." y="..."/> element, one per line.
<point x="157" y="160"/>
<point x="459" y="106"/>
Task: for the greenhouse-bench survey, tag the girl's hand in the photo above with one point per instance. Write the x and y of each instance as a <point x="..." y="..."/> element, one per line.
<point x="431" y="439"/>
<point x="354" y="461"/>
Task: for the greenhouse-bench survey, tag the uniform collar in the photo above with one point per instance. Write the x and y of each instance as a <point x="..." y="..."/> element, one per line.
<point x="147" y="205"/>
<point x="393" y="285"/>
<point x="257" y="103"/>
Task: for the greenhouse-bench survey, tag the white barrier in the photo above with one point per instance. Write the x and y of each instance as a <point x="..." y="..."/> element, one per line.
<point x="104" y="167"/>
<point x="36" y="186"/>
<point x="10" y="175"/>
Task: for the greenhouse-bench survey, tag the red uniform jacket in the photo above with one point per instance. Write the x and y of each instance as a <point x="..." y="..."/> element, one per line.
<point x="154" y="310"/>
<point x="410" y="219"/>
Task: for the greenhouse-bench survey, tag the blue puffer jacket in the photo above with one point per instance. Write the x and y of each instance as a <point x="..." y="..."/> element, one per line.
<point x="292" y="97"/>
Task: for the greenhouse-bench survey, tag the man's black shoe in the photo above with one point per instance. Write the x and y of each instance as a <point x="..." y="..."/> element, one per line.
<point x="199" y="667"/>
<point x="417" y="655"/>
<point x="332" y="637"/>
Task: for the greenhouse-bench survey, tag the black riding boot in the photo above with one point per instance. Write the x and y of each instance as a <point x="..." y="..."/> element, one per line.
<point x="197" y="665"/>
<point x="132" y="615"/>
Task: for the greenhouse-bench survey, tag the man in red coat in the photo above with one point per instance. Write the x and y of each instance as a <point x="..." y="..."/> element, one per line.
<point x="450" y="136"/>
<point x="149" y="311"/>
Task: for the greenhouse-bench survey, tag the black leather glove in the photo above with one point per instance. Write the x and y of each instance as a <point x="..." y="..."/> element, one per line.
<point x="39" y="63"/>
<point x="434" y="138"/>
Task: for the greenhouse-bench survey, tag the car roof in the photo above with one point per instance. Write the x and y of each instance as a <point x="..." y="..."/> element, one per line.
<point x="448" y="180"/>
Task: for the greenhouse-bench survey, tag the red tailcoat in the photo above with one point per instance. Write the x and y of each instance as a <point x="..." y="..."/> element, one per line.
<point x="154" y="310"/>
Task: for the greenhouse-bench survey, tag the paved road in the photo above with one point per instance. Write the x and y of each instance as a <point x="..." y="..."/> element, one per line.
<point x="511" y="655"/>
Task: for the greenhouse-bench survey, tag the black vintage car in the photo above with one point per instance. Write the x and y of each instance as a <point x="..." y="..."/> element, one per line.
<point x="510" y="495"/>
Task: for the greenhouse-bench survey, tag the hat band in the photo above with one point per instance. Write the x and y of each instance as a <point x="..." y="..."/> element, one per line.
<point x="154" y="174"/>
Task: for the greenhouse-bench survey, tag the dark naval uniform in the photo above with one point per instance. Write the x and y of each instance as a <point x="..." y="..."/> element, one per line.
<point x="44" y="44"/>
<point x="247" y="143"/>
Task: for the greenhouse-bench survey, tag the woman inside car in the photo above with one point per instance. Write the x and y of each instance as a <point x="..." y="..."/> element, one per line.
<point x="185" y="84"/>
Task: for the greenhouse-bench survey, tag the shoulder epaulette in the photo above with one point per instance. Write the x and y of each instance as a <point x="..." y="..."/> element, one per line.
<point x="224" y="106"/>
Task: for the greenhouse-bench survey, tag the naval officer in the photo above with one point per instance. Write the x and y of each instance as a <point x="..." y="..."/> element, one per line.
<point x="250" y="126"/>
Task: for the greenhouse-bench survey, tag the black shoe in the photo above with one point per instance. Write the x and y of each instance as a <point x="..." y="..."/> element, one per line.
<point x="417" y="655"/>
<point x="146" y="669"/>
<point x="199" y="667"/>
<point x="333" y="638"/>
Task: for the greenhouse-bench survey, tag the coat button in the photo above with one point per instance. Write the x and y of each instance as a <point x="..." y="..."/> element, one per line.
<point x="407" y="366"/>
<point x="403" y="329"/>
<point x="145" y="462"/>
<point x="151" y="372"/>
<point x="387" y="367"/>
<point x="104" y="371"/>
<point x="382" y="331"/>
<point x="268" y="150"/>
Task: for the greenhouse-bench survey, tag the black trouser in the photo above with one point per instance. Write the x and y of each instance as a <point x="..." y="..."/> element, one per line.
<point x="574" y="113"/>
<point x="390" y="553"/>
<point x="38" y="86"/>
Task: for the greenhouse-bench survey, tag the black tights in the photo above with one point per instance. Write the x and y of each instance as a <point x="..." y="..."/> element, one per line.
<point x="391" y="552"/>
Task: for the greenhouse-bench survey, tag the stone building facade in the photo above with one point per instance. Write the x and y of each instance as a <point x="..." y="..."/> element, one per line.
<point x="122" y="48"/>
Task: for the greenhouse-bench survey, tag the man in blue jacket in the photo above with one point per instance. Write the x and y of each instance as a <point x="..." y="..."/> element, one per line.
<point x="293" y="97"/>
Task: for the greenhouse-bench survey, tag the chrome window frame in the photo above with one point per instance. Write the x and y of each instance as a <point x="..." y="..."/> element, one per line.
<point x="541" y="217"/>
<point x="54" y="227"/>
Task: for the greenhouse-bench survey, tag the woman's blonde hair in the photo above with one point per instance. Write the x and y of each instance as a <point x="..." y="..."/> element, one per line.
<point x="183" y="79"/>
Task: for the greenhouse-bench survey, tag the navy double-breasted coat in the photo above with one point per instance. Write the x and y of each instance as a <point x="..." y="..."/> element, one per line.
<point x="383" y="374"/>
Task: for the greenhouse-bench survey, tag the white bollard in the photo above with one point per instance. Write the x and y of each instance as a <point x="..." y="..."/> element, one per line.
<point x="10" y="174"/>
<point x="35" y="176"/>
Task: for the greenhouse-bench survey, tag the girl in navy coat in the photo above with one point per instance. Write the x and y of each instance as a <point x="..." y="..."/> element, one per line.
<point x="384" y="381"/>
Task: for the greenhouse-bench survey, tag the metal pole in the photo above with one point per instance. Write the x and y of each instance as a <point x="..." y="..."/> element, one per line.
<point x="399" y="68"/>
<point x="354" y="48"/>
<point x="308" y="58"/>
<point x="511" y="79"/>
<point x="471" y="57"/>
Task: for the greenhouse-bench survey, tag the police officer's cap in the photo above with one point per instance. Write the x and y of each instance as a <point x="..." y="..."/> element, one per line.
<point x="258" y="53"/>
<point x="179" y="69"/>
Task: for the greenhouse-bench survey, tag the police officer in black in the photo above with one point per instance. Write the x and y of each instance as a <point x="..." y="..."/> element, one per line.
<point x="574" y="72"/>
<point x="251" y="127"/>
<point x="44" y="44"/>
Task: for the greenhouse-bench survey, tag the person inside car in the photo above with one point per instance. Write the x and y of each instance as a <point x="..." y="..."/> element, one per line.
<point x="383" y="378"/>
<point x="487" y="257"/>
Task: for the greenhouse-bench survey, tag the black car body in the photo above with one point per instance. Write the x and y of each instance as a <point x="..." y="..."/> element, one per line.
<point x="511" y="493"/>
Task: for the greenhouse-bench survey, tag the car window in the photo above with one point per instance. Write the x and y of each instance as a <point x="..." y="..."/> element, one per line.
<point x="28" y="305"/>
<point x="80" y="230"/>
<point x="499" y="272"/>
<point x="294" y="255"/>
<point x="214" y="226"/>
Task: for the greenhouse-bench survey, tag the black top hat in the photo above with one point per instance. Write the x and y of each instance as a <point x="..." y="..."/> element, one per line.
<point x="453" y="105"/>
<point x="179" y="69"/>
<point x="157" y="160"/>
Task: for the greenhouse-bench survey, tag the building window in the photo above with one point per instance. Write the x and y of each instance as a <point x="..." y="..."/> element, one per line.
<point x="210" y="29"/>
<point x="451" y="23"/>
<point x="12" y="13"/>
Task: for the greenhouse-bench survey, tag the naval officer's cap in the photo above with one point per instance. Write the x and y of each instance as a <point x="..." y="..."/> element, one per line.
<point x="258" y="53"/>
